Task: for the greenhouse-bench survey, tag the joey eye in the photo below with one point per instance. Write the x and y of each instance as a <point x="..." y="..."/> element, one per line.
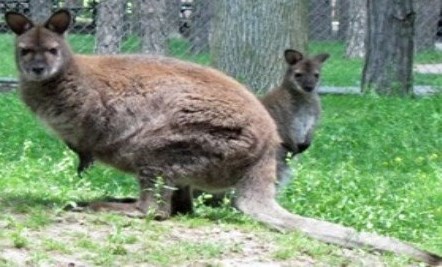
<point x="53" y="51"/>
<point x="298" y="75"/>
<point x="316" y="75"/>
<point x="25" y="51"/>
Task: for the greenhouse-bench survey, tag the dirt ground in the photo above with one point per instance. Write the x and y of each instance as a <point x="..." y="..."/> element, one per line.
<point x="240" y="247"/>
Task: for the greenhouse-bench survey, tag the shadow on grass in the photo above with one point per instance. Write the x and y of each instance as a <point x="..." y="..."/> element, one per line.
<point x="14" y="203"/>
<point x="23" y="203"/>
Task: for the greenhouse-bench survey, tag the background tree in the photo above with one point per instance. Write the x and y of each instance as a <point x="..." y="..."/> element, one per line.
<point x="427" y="17"/>
<point x="173" y="8"/>
<point x="320" y="19"/>
<point x="109" y="31"/>
<point x="250" y="36"/>
<point x="342" y="13"/>
<point x="73" y="3"/>
<point x="200" y="29"/>
<point x="389" y="59"/>
<point x="40" y="9"/>
<point x="356" y="29"/>
<point x="154" y="26"/>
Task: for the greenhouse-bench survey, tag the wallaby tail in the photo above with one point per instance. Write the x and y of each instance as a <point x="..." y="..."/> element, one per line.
<point x="278" y="218"/>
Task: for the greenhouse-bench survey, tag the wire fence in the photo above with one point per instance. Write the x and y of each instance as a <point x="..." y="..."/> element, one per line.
<point x="183" y="29"/>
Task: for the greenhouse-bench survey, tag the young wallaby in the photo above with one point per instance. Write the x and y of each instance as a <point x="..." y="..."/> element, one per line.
<point x="165" y="120"/>
<point x="295" y="106"/>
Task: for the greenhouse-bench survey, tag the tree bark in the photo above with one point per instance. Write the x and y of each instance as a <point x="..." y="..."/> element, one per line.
<point x="357" y="28"/>
<point x="73" y="3"/>
<point x="173" y="15"/>
<point x="320" y="20"/>
<point x="427" y="17"/>
<point x="343" y="13"/>
<point x="200" y="30"/>
<point x="250" y="36"/>
<point x="154" y="26"/>
<point x="40" y="9"/>
<point x="389" y="58"/>
<point x="109" y="31"/>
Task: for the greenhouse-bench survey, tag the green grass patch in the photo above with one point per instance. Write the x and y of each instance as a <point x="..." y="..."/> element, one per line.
<point x="375" y="165"/>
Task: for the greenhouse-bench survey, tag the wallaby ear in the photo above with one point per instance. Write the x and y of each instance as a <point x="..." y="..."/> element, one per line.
<point x="17" y="22"/>
<point x="292" y="56"/>
<point x="59" y="21"/>
<point x="322" y="57"/>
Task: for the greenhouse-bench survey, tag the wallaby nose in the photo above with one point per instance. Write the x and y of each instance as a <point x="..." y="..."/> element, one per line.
<point x="37" y="70"/>
<point x="309" y="88"/>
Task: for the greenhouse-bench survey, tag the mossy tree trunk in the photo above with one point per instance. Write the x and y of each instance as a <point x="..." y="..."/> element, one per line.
<point x="320" y="20"/>
<point x="201" y="25"/>
<point x="427" y="18"/>
<point x="154" y="26"/>
<point x="109" y="26"/>
<point x="40" y="9"/>
<point x="389" y="58"/>
<point x="250" y="36"/>
<point x="357" y="29"/>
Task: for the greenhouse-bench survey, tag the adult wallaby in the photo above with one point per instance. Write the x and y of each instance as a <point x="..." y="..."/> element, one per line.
<point x="163" y="119"/>
<point x="295" y="106"/>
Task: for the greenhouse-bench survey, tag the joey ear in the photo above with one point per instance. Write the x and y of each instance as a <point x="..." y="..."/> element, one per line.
<point x="59" y="21"/>
<point x="17" y="22"/>
<point x="292" y="56"/>
<point x="322" y="57"/>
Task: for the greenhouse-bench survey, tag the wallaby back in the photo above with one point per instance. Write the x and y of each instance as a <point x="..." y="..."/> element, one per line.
<point x="295" y="106"/>
<point x="175" y="125"/>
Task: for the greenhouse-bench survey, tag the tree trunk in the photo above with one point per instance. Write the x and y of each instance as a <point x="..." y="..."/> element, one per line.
<point x="427" y="17"/>
<point x="109" y="26"/>
<point x="357" y="28"/>
<point x="343" y="13"/>
<point x="173" y="15"/>
<point x="200" y="30"/>
<point x="250" y="36"/>
<point x="320" y="20"/>
<point x="73" y="3"/>
<point x="389" y="58"/>
<point x="154" y="26"/>
<point x="40" y="9"/>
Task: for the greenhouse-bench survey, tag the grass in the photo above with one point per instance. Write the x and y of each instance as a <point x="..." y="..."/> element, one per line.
<point x="375" y="164"/>
<point x="378" y="163"/>
<point x="338" y="71"/>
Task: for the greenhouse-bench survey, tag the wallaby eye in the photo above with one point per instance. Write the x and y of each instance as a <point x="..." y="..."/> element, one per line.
<point x="316" y="75"/>
<point x="25" y="51"/>
<point x="53" y="51"/>
<point x="298" y="75"/>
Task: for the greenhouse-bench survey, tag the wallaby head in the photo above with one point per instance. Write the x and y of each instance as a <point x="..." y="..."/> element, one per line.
<point x="303" y="73"/>
<point x="41" y="52"/>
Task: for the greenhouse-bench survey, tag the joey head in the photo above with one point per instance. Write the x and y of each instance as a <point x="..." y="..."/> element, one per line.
<point x="150" y="116"/>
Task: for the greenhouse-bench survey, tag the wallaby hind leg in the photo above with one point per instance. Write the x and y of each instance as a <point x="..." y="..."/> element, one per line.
<point x="255" y="197"/>
<point x="155" y="199"/>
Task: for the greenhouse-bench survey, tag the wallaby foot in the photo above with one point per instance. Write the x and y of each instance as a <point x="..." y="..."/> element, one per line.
<point x="126" y="207"/>
<point x="156" y="195"/>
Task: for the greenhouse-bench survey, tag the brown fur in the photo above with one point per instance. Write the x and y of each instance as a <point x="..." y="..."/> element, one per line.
<point x="158" y="117"/>
<point x="295" y="106"/>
